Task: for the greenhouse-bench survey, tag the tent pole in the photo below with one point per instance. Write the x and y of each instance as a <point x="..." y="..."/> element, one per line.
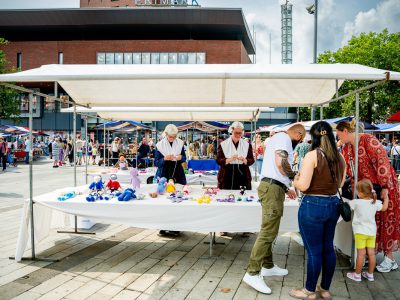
<point x="255" y="132"/>
<point x="104" y="146"/>
<point x="87" y="145"/>
<point x="74" y="142"/>
<point x="108" y="140"/>
<point x="75" y="181"/>
<point x="33" y="257"/>
<point x="356" y="150"/>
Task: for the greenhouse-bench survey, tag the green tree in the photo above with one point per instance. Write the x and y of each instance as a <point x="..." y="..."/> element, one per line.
<point x="377" y="50"/>
<point x="9" y="100"/>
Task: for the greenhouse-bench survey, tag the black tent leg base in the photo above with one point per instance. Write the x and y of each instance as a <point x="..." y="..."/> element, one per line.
<point x="36" y="259"/>
<point x="212" y="240"/>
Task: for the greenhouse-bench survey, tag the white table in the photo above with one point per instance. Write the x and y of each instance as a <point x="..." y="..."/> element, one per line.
<point x="152" y="214"/>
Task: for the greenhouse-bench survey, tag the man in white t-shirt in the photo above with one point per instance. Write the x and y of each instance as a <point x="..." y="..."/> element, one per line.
<point x="79" y="150"/>
<point x="276" y="175"/>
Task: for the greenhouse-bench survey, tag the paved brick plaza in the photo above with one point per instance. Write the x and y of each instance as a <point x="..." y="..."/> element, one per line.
<point x="121" y="262"/>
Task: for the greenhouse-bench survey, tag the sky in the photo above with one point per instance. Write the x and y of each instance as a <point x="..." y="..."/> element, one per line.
<point x="338" y="21"/>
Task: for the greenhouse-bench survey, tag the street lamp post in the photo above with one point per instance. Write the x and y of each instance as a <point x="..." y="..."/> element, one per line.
<point x="313" y="10"/>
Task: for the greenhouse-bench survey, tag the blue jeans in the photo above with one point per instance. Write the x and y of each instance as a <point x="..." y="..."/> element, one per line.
<point x="317" y="222"/>
<point x="27" y="157"/>
<point x="259" y="163"/>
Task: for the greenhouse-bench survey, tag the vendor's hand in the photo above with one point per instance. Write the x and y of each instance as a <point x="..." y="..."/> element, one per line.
<point x="178" y="157"/>
<point x="291" y="194"/>
<point x="296" y="177"/>
<point x="244" y="160"/>
<point x="384" y="194"/>
<point x="168" y="157"/>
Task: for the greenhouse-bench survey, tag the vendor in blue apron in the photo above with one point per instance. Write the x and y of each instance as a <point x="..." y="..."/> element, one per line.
<point x="234" y="157"/>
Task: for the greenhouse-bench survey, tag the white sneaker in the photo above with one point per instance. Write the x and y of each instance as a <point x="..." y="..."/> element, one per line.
<point x="275" y="271"/>
<point x="387" y="265"/>
<point x="257" y="282"/>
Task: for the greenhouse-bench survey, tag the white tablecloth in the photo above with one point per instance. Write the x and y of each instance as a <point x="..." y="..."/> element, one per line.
<point x="152" y="214"/>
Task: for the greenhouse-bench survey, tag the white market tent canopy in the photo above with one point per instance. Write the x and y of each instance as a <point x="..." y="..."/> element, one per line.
<point x="200" y="85"/>
<point x="175" y="113"/>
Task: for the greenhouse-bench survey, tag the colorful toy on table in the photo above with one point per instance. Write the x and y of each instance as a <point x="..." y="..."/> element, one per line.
<point x="140" y="196"/>
<point x="230" y="198"/>
<point x="204" y="199"/>
<point x="153" y="195"/>
<point x="113" y="185"/>
<point x="66" y="196"/>
<point x="170" y="186"/>
<point x="242" y="190"/>
<point x="161" y="185"/>
<point x="127" y="195"/>
<point x="177" y="197"/>
<point x="185" y="190"/>
<point x="96" y="190"/>
<point x="211" y="191"/>
<point x="135" y="182"/>
<point x="122" y="163"/>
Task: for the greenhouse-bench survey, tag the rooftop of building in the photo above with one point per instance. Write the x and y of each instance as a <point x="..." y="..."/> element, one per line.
<point x="127" y="23"/>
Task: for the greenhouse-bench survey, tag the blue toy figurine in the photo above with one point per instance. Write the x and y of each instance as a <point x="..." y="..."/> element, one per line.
<point x="127" y="195"/>
<point x="66" y="196"/>
<point x="96" y="188"/>
<point x="161" y="185"/>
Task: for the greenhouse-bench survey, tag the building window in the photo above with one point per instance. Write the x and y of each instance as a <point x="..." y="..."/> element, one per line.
<point x="145" y="58"/>
<point x="201" y="58"/>
<point x="60" y="58"/>
<point x="101" y="58"/>
<point x="128" y="58"/>
<point x="191" y="58"/>
<point x="109" y="58"/>
<point x="119" y="58"/>
<point x="163" y="58"/>
<point x="150" y="58"/>
<point x="155" y="58"/>
<point x="19" y="60"/>
<point x="172" y="58"/>
<point x="182" y="58"/>
<point x="137" y="58"/>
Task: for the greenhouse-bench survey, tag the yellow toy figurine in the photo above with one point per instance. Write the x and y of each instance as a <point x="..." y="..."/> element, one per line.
<point x="171" y="186"/>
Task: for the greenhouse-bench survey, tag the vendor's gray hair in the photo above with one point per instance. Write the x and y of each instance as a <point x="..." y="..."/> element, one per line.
<point x="236" y="124"/>
<point x="171" y="129"/>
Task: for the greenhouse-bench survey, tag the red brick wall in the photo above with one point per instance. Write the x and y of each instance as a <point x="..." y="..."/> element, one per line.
<point x="35" y="54"/>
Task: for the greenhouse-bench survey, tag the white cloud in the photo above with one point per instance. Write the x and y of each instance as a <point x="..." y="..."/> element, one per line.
<point x="39" y="4"/>
<point x="385" y="15"/>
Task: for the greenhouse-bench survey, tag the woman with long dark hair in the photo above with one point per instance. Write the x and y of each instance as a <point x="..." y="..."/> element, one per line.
<point x="321" y="174"/>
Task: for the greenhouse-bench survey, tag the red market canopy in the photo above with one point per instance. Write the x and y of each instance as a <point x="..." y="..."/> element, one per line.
<point x="394" y="118"/>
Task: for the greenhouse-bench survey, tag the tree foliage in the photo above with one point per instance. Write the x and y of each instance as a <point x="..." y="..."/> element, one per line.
<point x="377" y="50"/>
<point x="9" y="102"/>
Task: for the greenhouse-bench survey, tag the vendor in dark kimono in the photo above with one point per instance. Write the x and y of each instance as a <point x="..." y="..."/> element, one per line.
<point x="170" y="155"/>
<point x="234" y="156"/>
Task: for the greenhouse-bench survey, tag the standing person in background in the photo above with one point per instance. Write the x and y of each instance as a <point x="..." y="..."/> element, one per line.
<point x="55" y="152"/>
<point x="143" y="152"/>
<point x="27" y="149"/>
<point x="79" y="150"/>
<point x="51" y="148"/>
<point x="95" y="147"/>
<point x="115" y="150"/>
<point x="3" y="152"/>
<point x="203" y="148"/>
<point x="70" y="152"/>
<point x="259" y="149"/>
<point x="301" y="150"/>
<point x="395" y="152"/>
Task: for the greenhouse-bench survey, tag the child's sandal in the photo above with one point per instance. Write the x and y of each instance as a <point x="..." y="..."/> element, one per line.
<point x="302" y="293"/>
